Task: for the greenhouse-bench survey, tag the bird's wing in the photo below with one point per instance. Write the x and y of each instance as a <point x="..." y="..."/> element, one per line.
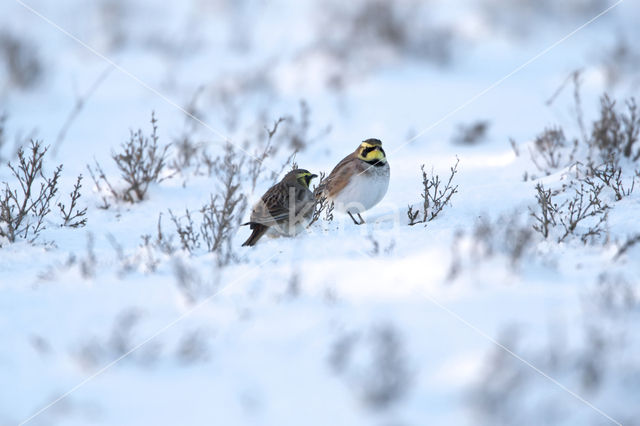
<point x="273" y="207"/>
<point x="340" y="176"/>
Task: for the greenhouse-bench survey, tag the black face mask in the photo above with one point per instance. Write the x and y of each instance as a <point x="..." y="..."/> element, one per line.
<point x="367" y="150"/>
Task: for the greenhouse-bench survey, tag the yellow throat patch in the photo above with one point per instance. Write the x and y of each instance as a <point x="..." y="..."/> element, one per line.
<point x="371" y="152"/>
<point x="305" y="178"/>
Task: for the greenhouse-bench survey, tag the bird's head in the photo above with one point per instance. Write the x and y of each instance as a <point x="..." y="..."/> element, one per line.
<point x="370" y="151"/>
<point x="302" y="176"/>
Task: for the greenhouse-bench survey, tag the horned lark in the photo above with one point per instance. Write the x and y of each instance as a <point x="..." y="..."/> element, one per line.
<point x="285" y="209"/>
<point x="359" y="181"/>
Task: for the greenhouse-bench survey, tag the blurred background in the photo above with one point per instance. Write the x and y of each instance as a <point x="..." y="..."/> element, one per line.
<point x="238" y="65"/>
<point x="434" y="78"/>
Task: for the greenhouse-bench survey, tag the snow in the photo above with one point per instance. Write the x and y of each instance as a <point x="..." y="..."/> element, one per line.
<point x="256" y="341"/>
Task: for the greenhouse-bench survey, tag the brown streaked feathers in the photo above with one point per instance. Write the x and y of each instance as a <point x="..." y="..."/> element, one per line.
<point x="273" y="207"/>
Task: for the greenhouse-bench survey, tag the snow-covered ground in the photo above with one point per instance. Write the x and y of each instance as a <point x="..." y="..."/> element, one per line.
<point x="475" y="318"/>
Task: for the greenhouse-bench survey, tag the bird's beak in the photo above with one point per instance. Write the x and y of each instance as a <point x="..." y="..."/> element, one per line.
<point x="307" y="178"/>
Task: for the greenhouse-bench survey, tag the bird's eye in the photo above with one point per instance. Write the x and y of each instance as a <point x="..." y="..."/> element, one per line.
<point x="304" y="179"/>
<point x="366" y="151"/>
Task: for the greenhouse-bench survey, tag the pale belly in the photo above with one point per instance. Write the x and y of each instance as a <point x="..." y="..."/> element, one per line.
<point x="362" y="192"/>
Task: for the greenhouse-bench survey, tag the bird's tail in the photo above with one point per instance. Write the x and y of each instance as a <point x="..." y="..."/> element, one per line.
<point x="258" y="231"/>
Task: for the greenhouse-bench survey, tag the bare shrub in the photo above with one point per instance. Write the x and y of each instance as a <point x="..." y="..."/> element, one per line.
<point x="112" y="16"/>
<point x="288" y="132"/>
<point x="514" y="148"/>
<point x="630" y="242"/>
<point x="620" y="61"/>
<point x="71" y="218"/>
<point x="614" y="295"/>
<point x="78" y="106"/>
<point x="328" y="213"/>
<point x="508" y="235"/>
<point x="610" y="173"/>
<point x="578" y="208"/>
<point x="293" y="286"/>
<point x="89" y="263"/>
<point x="23" y="65"/>
<point x="148" y="256"/>
<point x="522" y="18"/>
<point x="193" y="348"/>
<point x="549" y="149"/>
<point x="575" y="80"/>
<point x="256" y="166"/>
<point x="582" y="214"/>
<point x="496" y="396"/>
<point x="472" y="133"/>
<point x="237" y="89"/>
<point x="3" y="134"/>
<point x="187" y="231"/>
<point x="188" y="152"/>
<point x="341" y="351"/>
<point x="321" y="201"/>
<point x="377" y="250"/>
<point x="385" y="377"/>
<point x="141" y="163"/>
<point x="23" y="210"/>
<point x="221" y="216"/>
<point x="102" y="184"/>
<point x="391" y="376"/>
<point x="585" y="204"/>
<point x="162" y="242"/>
<point x="40" y="344"/>
<point x="296" y="130"/>
<point x="593" y="356"/>
<point x="612" y="137"/>
<point x="192" y="286"/>
<point x="615" y="133"/>
<point x="20" y="139"/>
<point x="97" y="351"/>
<point x="435" y="196"/>
<point x="205" y="161"/>
<point x="368" y="30"/>
<point x="508" y="390"/>
<point x="127" y="262"/>
<point x="546" y="217"/>
<point x="517" y="239"/>
<point x="322" y="204"/>
<point x="122" y="331"/>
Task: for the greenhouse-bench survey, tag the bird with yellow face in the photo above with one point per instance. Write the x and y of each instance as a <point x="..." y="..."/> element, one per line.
<point x="359" y="181"/>
<point x="285" y="209"/>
